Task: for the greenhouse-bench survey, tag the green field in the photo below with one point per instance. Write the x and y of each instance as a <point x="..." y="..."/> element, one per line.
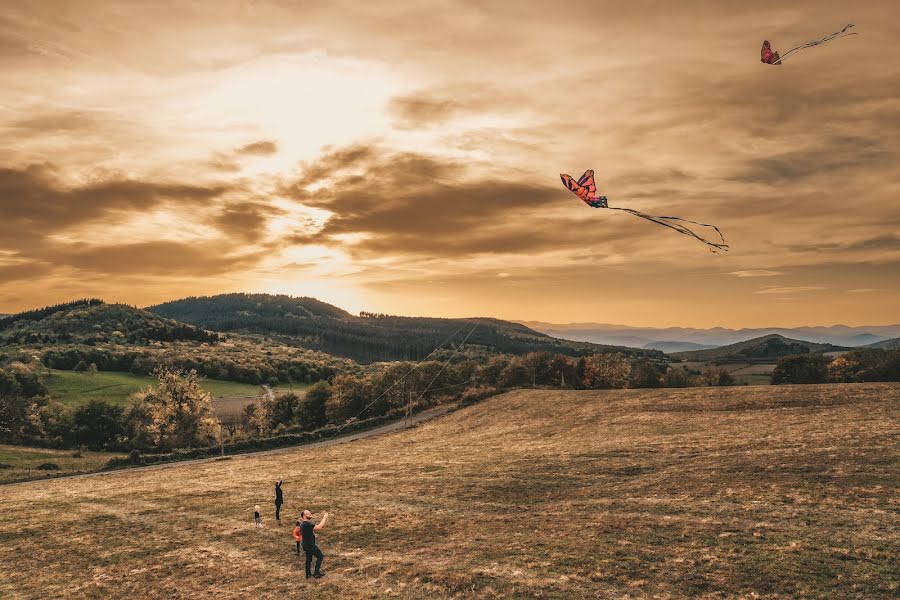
<point x="73" y="389"/>
<point x="18" y="463"/>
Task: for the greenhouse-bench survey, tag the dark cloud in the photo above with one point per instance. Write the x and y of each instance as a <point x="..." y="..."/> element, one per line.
<point x="163" y="258"/>
<point x="34" y="204"/>
<point x="406" y="203"/>
<point x="245" y="220"/>
<point x="834" y="157"/>
<point x="28" y="270"/>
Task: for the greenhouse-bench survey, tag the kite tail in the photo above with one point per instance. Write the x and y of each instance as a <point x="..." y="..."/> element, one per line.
<point x="827" y="38"/>
<point x="670" y="223"/>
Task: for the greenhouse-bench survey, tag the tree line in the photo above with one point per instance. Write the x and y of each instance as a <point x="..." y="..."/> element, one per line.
<point x="176" y="412"/>
<point x="856" y="366"/>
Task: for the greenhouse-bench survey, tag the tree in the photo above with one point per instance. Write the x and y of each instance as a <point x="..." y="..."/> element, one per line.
<point x="280" y="409"/>
<point x="80" y="366"/>
<point x="92" y="369"/>
<point x="717" y="376"/>
<point x="801" y="368"/>
<point x="348" y="400"/>
<point x="606" y="371"/>
<point x="179" y="409"/>
<point x="97" y="424"/>
<point x="310" y="411"/>
<point x="562" y="370"/>
<point x="678" y="377"/>
<point x="645" y="375"/>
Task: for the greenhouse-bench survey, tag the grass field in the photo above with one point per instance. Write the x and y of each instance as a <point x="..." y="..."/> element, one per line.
<point x="744" y="492"/>
<point x="18" y="463"/>
<point x="73" y="389"/>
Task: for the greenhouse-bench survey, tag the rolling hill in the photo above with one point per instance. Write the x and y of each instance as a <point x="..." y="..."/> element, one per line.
<point x="309" y="323"/>
<point x="761" y="349"/>
<point x="784" y="492"/>
<point x="891" y="344"/>
<point x="93" y="321"/>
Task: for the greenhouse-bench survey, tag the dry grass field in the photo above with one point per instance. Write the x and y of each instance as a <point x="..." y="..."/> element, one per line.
<point x="749" y="492"/>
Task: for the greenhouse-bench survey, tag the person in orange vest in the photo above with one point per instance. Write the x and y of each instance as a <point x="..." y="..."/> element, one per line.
<point x="298" y="537"/>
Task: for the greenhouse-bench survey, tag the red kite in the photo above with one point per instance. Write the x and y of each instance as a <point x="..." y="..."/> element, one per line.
<point x="586" y="189"/>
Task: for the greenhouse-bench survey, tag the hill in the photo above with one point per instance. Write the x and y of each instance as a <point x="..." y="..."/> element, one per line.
<point x="309" y="323"/>
<point x="93" y="321"/>
<point x="122" y="338"/>
<point x="765" y="348"/>
<point x="760" y="492"/>
<point x="891" y="344"/>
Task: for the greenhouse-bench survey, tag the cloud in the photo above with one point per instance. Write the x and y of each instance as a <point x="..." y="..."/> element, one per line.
<point x="791" y="290"/>
<point x="162" y="258"/>
<point x="756" y="273"/>
<point x="404" y="203"/>
<point x="864" y="290"/>
<point x="261" y="148"/>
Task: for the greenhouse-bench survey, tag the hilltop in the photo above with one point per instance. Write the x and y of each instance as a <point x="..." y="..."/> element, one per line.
<point x="782" y="492"/>
<point x="764" y="349"/>
<point x="309" y="323"/>
<point x="93" y="321"/>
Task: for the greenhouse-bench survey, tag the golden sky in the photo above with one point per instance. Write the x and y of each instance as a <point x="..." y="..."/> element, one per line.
<point x="403" y="157"/>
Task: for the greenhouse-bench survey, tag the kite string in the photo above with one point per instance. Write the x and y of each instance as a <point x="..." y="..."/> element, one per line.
<point x="417" y="365"/>
<point x="827" y="38"/>
<point x="677" y="227"/>
<point x="433" y="379"/>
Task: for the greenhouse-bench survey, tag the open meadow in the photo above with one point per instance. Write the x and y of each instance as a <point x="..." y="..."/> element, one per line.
<point x="743" y="492"/>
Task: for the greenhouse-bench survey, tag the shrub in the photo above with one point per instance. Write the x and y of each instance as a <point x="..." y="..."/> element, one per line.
<point x="48" y="466"/>
<point x="801" y="368"/>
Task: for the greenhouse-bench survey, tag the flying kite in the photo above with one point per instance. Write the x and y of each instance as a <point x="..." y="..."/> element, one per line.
<point x="586" y="189"/>
<point x="770" y="57"/>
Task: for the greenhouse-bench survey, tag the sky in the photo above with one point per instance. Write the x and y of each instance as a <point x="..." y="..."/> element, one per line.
<point x="404" y="157"/>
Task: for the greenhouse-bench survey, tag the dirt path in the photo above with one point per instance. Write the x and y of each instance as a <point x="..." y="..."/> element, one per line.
<point x="425" y="415"/>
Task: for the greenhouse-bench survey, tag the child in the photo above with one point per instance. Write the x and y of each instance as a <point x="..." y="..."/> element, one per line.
<point x="298" y="537"/>
<point x="256" y="516"/>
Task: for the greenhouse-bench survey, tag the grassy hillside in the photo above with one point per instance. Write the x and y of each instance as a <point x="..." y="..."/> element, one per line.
<point x="767" y="348"/>
<point x="308" y="323"/>
<point x="891" y="344"/>
<point x="18" y="463"/>
<point x="73" y="388"/>
<point x="716" y="492"/>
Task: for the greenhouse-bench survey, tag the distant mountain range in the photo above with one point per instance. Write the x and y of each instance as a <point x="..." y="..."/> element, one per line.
<point x="672" y="339"/>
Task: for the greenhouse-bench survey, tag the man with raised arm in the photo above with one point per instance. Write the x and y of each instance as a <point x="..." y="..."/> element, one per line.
<point x="308" y="531"/>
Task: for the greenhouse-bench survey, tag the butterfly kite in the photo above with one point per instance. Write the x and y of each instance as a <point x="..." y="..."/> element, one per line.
<point x="770" y="57"/>
<point x="586" y="189"/>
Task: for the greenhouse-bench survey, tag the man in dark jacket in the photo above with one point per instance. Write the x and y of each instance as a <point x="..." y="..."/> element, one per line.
<point x="279" y="500"/>
<point x="308" y="531"/>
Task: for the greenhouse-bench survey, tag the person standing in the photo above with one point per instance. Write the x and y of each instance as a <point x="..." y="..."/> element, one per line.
<point x="308" y="530"/>
<point x="279" y="500"/>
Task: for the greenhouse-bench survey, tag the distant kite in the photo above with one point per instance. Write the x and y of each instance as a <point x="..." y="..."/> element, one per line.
<point x="770" y="57"/>
<point x="586" y="189"/>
